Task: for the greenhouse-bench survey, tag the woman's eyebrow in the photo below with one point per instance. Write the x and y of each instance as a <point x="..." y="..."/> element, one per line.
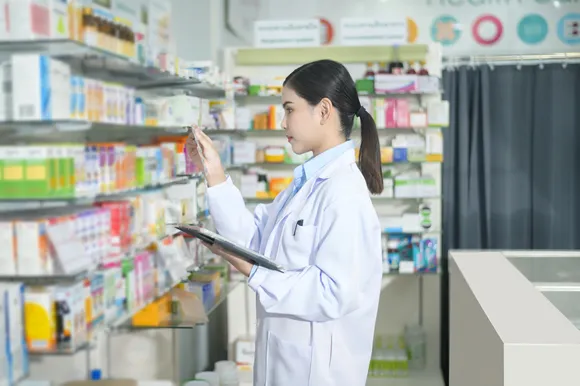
<point x="286" y="103"/>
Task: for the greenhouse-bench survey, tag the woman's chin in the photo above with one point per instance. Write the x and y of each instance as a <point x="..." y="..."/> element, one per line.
<point x="297" y="149"/>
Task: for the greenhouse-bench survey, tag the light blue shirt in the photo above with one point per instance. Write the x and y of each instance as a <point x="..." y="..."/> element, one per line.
<point x="307" y="170"/>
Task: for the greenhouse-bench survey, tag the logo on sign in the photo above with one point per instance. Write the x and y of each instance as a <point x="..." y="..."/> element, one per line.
<point x="569" y="29"/>
<point x="487" y="30"/>
<point x="445" y="30"/>
<point x="532" y="29"/>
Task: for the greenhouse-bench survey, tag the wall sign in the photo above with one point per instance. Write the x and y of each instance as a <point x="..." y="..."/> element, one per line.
<point x="286" y="33"/>
<point x="513" y="28"/>
<point x="372" y="32"/>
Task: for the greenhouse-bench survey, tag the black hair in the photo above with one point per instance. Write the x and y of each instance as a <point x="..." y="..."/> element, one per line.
<point x="329" y="79"/>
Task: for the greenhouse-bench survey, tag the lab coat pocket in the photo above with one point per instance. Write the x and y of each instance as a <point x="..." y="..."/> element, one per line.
<point x="297" y="245"/>
<point x="287" y="363"/>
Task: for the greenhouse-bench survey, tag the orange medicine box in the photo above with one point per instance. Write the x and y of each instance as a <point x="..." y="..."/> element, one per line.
<point x="155" y="314"/>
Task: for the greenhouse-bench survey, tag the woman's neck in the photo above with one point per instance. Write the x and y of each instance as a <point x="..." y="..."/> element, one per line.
<point x="332" y="142"/>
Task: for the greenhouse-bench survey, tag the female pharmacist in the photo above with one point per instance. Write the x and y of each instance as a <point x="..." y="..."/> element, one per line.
<point x="316" y="320"/>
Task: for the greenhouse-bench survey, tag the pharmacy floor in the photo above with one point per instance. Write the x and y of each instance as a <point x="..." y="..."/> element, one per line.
<point x="422" y="378"/>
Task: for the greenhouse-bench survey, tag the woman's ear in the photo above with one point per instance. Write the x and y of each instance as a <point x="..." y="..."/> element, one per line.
<point x="325" y="110"/>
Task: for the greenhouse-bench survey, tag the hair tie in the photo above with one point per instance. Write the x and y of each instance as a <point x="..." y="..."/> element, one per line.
<point x="360" y="111"/>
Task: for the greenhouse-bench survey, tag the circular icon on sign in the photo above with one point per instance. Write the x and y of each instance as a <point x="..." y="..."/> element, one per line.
<point x="569" y="29"/>
<point x="487" y="30"/>
<point x="412" y="30"/>
<point x="445" y="30"/>
<point x="326" y="31"/>
<point x="532" y="29"/>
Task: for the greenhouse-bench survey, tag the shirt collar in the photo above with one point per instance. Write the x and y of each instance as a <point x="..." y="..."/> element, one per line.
<point x="311" y="167"/>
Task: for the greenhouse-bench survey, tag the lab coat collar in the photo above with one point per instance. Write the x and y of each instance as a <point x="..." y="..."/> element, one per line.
<point x="347" y="158"/>
<point x="315" y="164"/>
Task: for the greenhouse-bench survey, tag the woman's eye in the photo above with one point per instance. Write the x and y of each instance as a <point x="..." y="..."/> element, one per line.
<point x="288" y="111"/>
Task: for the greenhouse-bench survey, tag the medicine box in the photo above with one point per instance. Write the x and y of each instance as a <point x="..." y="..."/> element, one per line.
<point x="71" y="326"/>
<point x="97" y="286"/>
<point x="37" y="19"/>
<point x="41" y="88"/>
<point x="8" y="262"/>
<point x="5" y="90"/>
<point x="389" y="83"/>
<point x="11" y="171"/>
<point x="40" y="318"/>
<point x="32" y="250"/>
<point x="13" y="351"/>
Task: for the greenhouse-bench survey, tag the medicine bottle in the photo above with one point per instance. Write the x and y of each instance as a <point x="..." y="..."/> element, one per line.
<point x="89" y="27"/>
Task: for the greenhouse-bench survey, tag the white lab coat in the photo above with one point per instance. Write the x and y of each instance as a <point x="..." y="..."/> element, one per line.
<point x="315" y="322"/>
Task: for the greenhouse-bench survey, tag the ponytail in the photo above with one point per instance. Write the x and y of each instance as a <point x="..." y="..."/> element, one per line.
<point x="369" y="158"/>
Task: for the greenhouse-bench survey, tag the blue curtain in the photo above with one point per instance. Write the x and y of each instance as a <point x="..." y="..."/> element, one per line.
<point x="511" y="172"/>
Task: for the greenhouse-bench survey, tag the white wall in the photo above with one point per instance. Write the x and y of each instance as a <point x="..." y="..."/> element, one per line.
<point x="197" y="27"/>
<point x="425" y="13"/>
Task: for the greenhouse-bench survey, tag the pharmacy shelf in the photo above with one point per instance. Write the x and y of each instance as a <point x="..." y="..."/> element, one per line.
<point x="281" y="165"/>
<point x="78" y="125"/>
<point x="390" y="277"/>
<point x="109" y="66"/>
<point x="281" y="133"/>
<point x="124" y="322"/>
<point x="276" y="98"/>
<point x="420" y="273"/>
<point x="343" y="54"/>
<point x="177" y="323"/>
<point x="376" y="199"/>
<point x="61" y="351"/>
<point x="75" y="277"/>
<point x="419" y="378"/>
<point x="43" y="280"/>
<point x="55" y="202"/>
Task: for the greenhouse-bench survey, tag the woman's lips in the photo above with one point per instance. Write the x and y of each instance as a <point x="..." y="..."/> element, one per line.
<point x="289" y="138"/>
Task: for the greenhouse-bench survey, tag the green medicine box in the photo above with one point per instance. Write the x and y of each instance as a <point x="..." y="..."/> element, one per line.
<point x="38" y="172"/>
<point x="12" y="172"/>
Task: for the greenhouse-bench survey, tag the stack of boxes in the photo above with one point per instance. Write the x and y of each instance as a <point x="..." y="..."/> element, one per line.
<point x="76" y="170"/>
<point x="41" y="88"/>
<point x="118" y="28"/>
<point x="61" y="318"/>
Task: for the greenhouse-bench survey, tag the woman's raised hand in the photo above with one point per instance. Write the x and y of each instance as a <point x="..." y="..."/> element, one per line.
<point x="214" y="171"/>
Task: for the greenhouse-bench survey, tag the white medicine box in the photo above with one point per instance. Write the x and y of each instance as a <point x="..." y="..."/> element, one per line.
<point x="41" y="88"/>
<point x="244" y="152"/>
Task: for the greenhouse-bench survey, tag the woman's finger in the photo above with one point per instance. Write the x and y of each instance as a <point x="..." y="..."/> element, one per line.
<point x="211" y="247"/>
<point x="203" y="139"/>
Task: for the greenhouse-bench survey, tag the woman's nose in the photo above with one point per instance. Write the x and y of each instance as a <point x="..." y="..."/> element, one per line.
<point x="283" y="124"/>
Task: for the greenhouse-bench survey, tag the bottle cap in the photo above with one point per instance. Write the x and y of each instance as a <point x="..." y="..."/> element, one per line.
<point x="95" y="375"/>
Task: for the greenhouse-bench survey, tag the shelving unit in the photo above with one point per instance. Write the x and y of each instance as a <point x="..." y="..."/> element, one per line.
<point x="344" y="54"/>
<point x="422" y="287"/>
<point x="109" y="66"/>
<point x="280" y="133"/>
<point x="100" y="350"/>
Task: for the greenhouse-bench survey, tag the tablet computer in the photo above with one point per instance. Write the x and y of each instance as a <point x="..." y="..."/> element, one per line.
<point x="212" y="238"/>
